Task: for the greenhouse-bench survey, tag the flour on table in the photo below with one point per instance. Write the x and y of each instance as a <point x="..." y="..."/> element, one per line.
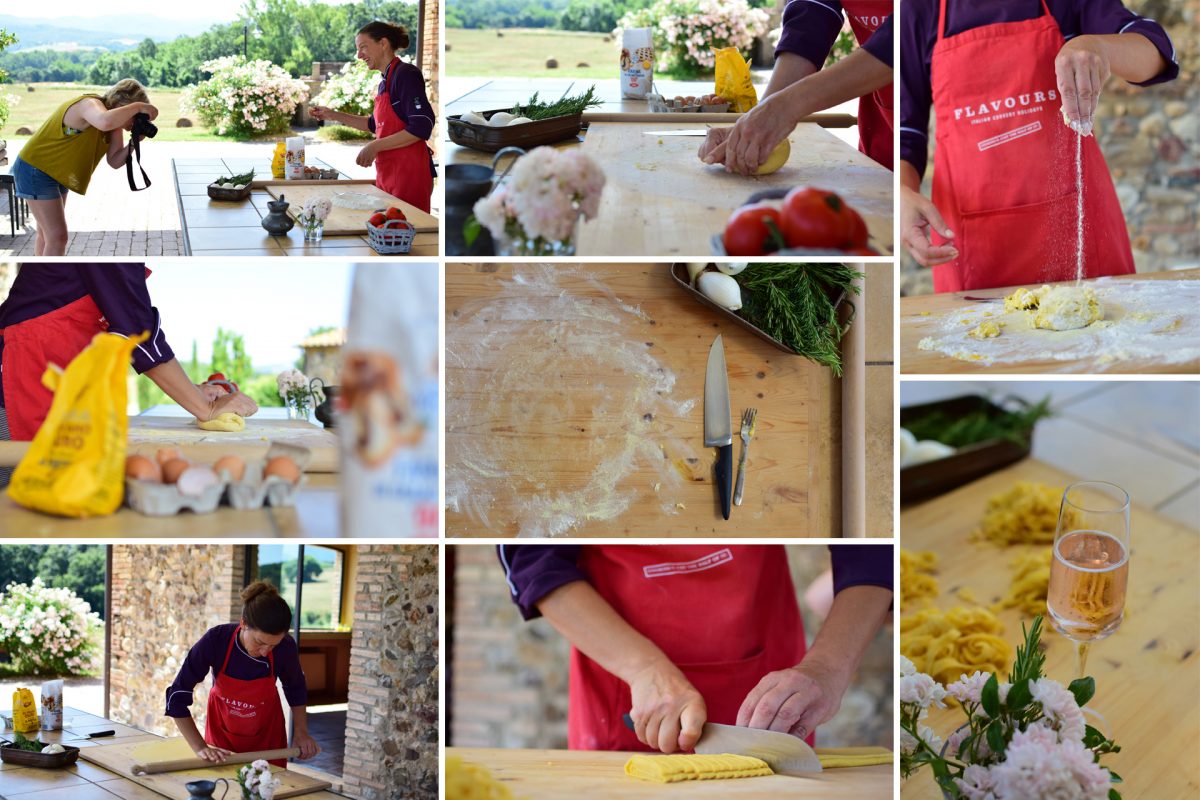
<point x="556" y="361"/>
<point x="1104" y="323"/>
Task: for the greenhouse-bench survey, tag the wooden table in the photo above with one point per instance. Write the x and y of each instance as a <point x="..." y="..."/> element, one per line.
<point x="553" y="447"/>
<point x="215" y="228"/>
<point x="84" y="780"/>
<point x="661" y="200"/>
<point x="1147" y="673"/>
<point x="553" y="774"/>
<point x="919" y="315"/>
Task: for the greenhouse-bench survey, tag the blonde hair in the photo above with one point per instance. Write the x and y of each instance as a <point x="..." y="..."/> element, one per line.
<point x="124" y="92"/>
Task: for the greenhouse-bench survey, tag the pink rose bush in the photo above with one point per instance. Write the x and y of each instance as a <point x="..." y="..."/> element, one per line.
<point x="688" y="32"/>
<point x="47" y="631"/>
<point x="1023" y="738"/>
<point x="244" y="98"/>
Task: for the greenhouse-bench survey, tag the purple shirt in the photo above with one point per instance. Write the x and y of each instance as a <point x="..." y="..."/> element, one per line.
<point x="406" y="88"/>
<point x="118" y="289"/>
<point x="208" y="654"/>
<point x="533" y="571"/>
<point x="810" y="27"/>
<point x="918" y="34"/>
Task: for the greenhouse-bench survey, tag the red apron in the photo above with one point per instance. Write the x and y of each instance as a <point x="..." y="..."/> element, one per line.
<point x="874" y="109"/>
<point x="1004" y="166"/>
<point x="244" y="716"/>
<point x="32" y="345"/>
<point x="404" y="171"/>
<point x="725" y="615"/>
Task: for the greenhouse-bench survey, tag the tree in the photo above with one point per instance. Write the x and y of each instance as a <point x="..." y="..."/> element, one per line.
<point x="6" y="39"/>
<point x="312" y="570"/>
<point x="79" y="568"/>
<point x="229" y="357"/>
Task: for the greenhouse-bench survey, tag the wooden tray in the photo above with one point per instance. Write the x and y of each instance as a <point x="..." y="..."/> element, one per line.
<point x="526" y="136"/>
<point x="9" y="754"/>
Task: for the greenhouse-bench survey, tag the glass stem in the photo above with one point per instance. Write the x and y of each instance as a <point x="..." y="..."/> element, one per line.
<point x="1081" y="651"/>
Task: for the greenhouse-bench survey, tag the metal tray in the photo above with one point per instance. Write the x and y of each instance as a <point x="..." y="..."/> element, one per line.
<point x="933" y="478"/>
<point x="526" y="136"/>
<point x="9" y="754"/>
<point x="679" y="273"/>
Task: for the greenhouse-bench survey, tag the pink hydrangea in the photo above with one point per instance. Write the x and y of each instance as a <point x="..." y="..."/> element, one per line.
<point x="1038" y="765"/>
<point x="545" y="195"/>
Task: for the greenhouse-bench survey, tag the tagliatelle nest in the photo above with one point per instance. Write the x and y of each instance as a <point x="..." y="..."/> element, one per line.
<point x="948" y="644"/>
<point x="918" y="587"/>
<point x="1025" y="514"/>
<point x="1030" y="582"/>
<point x="467" y="781"/>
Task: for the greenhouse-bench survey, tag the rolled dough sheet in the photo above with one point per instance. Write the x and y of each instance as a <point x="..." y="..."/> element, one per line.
<point x="165" y="750"/>
<point x="693" y="767"/>
<point x="227" y="422"/>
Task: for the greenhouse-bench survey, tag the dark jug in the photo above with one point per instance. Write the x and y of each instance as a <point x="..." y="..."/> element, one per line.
<point x="465" y="184"/>
<point x="325" y="410"/>
<point x="278" y="223"/>
<point x="203" y="790"/>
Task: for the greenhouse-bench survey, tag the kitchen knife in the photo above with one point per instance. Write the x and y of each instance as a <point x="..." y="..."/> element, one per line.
<point x="685" y="132"/>
<point x="718" y="428"/>
<point x="787" y="754"/>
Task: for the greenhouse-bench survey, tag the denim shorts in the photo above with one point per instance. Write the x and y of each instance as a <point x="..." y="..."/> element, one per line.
<point x="33" y="184"/>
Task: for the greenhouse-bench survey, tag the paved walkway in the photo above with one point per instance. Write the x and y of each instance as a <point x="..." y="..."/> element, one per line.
<point x="110" y="220"/>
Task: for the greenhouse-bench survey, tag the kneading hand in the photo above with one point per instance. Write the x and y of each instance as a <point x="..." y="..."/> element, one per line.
<point x="216" y="755"/>
<point x="794" y="700"/>
<point x="918" y="215"/>
<point x="668" y="713"/>
<point x="752" y="138"/>
<point x="236" y="403"/>
<point x="1081" y="68"/>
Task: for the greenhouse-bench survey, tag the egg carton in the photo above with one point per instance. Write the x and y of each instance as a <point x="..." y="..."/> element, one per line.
<point x="155" y="499"/>
<point x="665" y="105"/>
<point x="253" y="492"/>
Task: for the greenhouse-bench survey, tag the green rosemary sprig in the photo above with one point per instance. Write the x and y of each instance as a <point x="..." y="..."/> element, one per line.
<point x="564" y="106"/>
<point x="979" y="425"/>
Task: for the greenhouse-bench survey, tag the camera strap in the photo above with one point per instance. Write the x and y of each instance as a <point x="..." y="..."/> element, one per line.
<point x="135" y="148"/>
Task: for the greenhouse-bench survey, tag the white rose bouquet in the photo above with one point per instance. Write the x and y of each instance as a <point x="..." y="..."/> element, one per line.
<point x="296" y="394"/>
<point x="257" y="782"/>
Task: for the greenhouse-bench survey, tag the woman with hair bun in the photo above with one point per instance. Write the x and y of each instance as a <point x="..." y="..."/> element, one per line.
<point x="246" y="658"/>
<point x="402" y="120"/>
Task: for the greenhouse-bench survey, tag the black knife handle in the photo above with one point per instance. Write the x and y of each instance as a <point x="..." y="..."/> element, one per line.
<point x="725" y="476"/>
<point x="628" y="720"/>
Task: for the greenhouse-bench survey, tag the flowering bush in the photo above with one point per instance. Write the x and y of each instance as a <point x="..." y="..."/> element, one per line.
<point x="352" y="90"/>
<point x="293" y="388"/>
<point x="1024" y="738"/>
<point x="7" y="101"/>
<point x="542" y="200"/>
<point x="256" y="781"/>
<point x="47" y="631"/>
<point x="244" y="98"/>
<point x="688" y="32"/>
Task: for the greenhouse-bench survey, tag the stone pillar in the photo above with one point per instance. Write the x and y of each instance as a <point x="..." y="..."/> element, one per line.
<point x="164" y="597"/>
<point x="392" y="718"/>
<point x="430" y="45"/>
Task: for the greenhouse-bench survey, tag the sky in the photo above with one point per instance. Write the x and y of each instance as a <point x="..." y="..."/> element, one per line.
<point x="75" y="10"/>
<point x="273" y="307"/>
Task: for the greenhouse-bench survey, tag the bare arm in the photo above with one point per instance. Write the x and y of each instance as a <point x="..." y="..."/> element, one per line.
<point x="340" y="117"/>
<point x="300" y="736"/>
<point x="171" y="378"/>
<point x="788" y="69"/>
<point x="117" y="152"/>
<point x="90" y="111"/>
<point x="1085" y="62"/>
<point x="668" y="712"/>
<point x="202" y="749"/>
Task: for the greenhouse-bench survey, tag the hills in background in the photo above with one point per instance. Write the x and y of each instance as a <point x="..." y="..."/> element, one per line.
<point x="114" y="32"/>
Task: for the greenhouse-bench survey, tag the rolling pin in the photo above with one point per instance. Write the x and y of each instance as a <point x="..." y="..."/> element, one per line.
<point x="854" y="420"/>
<point x="155" y="767"/>
<point x="824" y="119"/>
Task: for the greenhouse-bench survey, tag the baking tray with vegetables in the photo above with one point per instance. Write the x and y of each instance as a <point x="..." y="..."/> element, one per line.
<point x="948" y="443"/>
<point x="526" y="126"/>
<point x="795" y="307"/>
<point x="34" y="753"/>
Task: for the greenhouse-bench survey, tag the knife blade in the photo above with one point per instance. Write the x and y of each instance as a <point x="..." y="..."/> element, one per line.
<point x="686" y="132"/>
<point x="786" y="754"/>
<point x="718" y="428"/>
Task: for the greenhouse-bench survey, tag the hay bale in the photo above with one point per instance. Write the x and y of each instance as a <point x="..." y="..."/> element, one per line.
<point x="23" y="131"/>
<point x="499" y="34"/>
<point x="30" y="89"/>
<point x="183" y="122"/>
<point x="447" y="48"/>
<point x="582" y="65"/>
<point x="551" y="63"/>
<point x="607" y="38"/>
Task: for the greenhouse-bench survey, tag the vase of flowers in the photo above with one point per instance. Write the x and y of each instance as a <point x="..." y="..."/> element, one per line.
<point x="536" y="212"/>
<point x="296" y="394"/>
<point x="257" y="782"/>
<point x="312" y="218"/>
<point x="1023" y="738"/>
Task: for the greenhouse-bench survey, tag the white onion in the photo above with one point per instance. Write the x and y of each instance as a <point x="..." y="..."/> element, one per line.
<point x="519" y="121"/>
<point x="732" y="268"/>
<point x="907" y="443"/>
<point x="929" y="450"/>
<point x="500" y="119"/>
<point x="694" y="269"/>
<point x="721" y="289"/>
<point x="473" y="118"/>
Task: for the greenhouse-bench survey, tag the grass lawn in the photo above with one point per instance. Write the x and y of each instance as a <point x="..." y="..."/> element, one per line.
<point x="522" y="53"/>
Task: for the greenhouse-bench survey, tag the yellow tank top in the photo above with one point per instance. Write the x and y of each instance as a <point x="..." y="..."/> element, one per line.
<point x="69" y="158"/>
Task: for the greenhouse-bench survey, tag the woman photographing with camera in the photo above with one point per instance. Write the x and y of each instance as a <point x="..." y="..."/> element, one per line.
<point x="65" y="151"/>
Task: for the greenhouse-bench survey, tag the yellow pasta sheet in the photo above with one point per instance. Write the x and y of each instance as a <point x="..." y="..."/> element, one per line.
<point x="696" y="767"/>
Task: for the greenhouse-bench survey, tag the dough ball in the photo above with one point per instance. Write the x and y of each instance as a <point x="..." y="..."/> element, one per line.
<point x="777" y="159"/>
<point x="1067" y="308"/>
<point x="228" y="422"/>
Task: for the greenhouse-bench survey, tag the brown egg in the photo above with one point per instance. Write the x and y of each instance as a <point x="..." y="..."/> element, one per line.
<point x="143" y="469"/>
<point x="234" y="465"/>
<point x="173" y="469"/>
<point x="166" y="454"/>
<point x="284" y="467"/>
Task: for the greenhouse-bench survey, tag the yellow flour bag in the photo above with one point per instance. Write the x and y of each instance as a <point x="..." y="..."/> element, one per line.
<point x="733" y="80"/>
<point x="75" y="466"/>
<point x="25" y="716"/>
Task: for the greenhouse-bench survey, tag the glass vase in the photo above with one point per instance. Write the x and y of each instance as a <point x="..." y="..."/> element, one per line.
<point x="314" y="230"/>
<point x="519" y="244"/>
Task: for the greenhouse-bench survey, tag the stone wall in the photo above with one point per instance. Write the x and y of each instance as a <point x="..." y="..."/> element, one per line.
<point x="164" y="597"/>
<point x="392" y="719"/>
<point x="430" y="48"/>
<point x="509" y="677"/>
<point x="1150" y="137"/>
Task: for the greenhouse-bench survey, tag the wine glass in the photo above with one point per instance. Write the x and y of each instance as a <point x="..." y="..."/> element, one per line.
<point x="1090" y="567"/>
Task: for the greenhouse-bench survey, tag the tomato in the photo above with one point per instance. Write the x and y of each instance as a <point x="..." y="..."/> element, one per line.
<point x="378" y="218"/>
<point x="858" y="230"/>
<point x="395" y="213"/>
<point x="816" y="218"/>
<point x="217" y="376"/>
<point x="753" y="231"/>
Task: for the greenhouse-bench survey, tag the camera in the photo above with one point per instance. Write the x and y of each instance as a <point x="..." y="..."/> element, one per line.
<point x="142" y="126"/>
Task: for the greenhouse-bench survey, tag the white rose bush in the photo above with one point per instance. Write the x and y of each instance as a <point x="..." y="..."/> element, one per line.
<point x="352" y="90"/>
<point x="1023" y="738"/>
<point x="47" y="631"/>
<point x="244" y="98"/>
<point x="688" y="32"/>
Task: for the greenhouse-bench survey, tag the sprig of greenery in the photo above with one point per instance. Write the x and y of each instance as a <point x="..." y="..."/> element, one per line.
<point x="563" y="107"/>
<point x="794" y="303"/>
<point x="979" y="425"/>
<point x="1030" y="658"/>
<point x="31" y="745"/>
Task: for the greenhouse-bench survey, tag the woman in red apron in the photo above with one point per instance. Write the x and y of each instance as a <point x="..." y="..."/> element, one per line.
<point x="402" y="120"/>
<point x="799" y="87"/>
<point x="677" y="635"/>
<point x="244" y="713"/>
<point x="1004" y="207"/>
<point x="52" y="313"/>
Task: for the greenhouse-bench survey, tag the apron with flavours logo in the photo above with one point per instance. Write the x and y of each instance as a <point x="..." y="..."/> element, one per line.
<point x="403" y="172"/>
<point x="726" y="616"/>
<point x="245" y="716"/>
<point x="1004" y="165"/>
<point x="874" y="109"/>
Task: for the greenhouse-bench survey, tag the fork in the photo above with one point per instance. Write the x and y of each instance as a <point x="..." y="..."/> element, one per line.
<point x="749" y="416"/>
